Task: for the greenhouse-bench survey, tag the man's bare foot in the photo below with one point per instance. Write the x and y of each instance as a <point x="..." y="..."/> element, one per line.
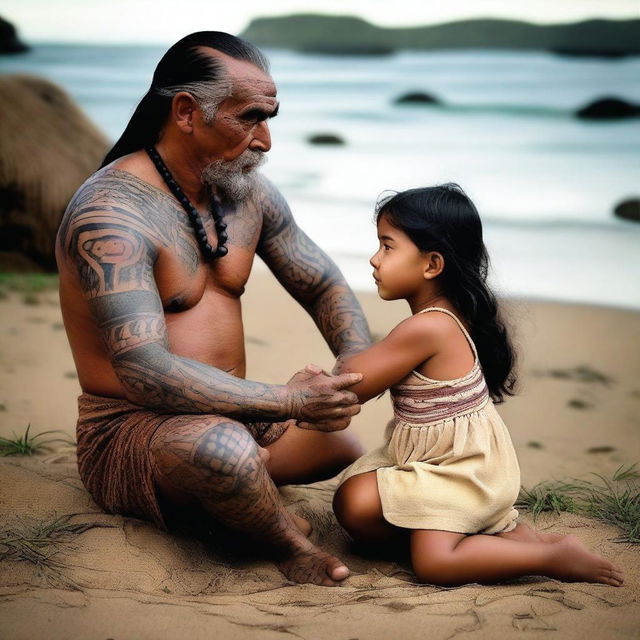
<point x="524" y="533"/>
<point x="302" y="524"/>
<point x="573" y="562"/>
<point x="311" y="565"/>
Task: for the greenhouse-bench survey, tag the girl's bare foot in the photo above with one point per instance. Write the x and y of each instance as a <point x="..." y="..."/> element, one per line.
<point x="573" y="562"/>
<point x="310" y="564"/>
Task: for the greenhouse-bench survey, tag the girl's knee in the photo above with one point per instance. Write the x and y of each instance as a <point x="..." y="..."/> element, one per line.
<point x="355" y="509"/>
<point x="340" y="504"/>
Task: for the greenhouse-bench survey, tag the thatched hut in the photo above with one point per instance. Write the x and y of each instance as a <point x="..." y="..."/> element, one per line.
<point x="48" y="147"/>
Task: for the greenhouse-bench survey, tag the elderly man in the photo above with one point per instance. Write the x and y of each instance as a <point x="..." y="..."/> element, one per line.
<point x="154" y="252"/>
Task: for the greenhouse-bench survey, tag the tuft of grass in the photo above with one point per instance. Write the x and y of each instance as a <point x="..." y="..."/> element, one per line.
<point x="617" y="501"/>
<point x="28" y="282"/>
<point x="614" y="500"/>
<point x="38" y="541"/>
<point x="550" y="496"/>
<point x="26" y="445"/>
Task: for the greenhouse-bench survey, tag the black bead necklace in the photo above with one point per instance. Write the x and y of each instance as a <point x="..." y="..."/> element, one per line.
<point x="207" y="250"/>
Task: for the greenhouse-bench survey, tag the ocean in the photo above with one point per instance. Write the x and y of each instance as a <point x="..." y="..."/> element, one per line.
<point x="544" y="182"/>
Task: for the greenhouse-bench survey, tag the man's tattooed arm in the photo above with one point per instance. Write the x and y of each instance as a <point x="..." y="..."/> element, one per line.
<point x="309" y="275"/>
<point x="114" y="253"/>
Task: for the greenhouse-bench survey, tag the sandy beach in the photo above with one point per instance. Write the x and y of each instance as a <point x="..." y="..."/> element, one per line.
<point x="577" y="413"/>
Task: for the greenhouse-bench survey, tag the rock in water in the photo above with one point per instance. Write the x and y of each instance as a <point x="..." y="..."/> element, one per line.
<point x="609" y="109"/>
<point x="628" y="210"/>
<point x="325" y="138"/>
<point x="416" y="97"/>
<point x="9" y="41"/>
<point x="48" y="147"/>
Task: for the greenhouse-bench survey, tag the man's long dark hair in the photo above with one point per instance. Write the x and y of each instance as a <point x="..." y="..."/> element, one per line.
<point x="184" y="67"/>
<point x="443" y="219"/>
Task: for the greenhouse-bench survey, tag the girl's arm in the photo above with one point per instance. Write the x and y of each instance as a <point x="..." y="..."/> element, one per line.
<point x="387" y="362"/>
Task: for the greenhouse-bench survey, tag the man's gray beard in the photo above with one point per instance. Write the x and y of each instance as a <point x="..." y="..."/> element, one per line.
<point x="235" y="178"/>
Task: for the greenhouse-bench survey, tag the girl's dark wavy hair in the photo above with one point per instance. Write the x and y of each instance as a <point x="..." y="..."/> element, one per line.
<point x="184" y="67"/>
<point x="443" y="219"/>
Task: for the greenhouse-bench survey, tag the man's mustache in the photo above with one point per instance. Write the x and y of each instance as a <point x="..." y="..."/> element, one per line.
<point x="247" y="161"/>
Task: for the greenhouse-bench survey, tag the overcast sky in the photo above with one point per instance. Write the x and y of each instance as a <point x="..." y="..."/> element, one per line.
<point x="165" y="21"/>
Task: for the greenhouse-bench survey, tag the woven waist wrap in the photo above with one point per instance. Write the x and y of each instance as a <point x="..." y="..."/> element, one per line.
<point x="114" y="456"/>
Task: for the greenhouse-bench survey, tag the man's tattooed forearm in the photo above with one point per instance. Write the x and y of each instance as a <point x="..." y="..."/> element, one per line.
<point x="340" y="318"/>
<point x="310" y="276"/>
<point x="162" y="380"/>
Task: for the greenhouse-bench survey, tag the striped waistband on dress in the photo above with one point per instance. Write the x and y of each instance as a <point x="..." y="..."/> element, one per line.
<point x="427" y="403"/>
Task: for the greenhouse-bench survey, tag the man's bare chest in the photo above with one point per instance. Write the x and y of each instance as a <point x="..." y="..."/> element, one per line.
<point x="183" y="276"/>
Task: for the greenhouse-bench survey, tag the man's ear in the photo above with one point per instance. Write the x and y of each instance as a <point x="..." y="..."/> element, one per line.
<point x="434" y="265"/>
<point x="183" y="106"/>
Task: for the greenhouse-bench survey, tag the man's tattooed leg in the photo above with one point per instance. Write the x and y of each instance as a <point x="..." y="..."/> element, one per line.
<point x="216" y="460"/>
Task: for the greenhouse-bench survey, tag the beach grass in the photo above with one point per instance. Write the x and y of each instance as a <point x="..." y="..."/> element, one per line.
<point x="27" y="445"/>
<point x="28" y="283"/>
<point x="614" y="500"/>
<point x="39" y="543"/>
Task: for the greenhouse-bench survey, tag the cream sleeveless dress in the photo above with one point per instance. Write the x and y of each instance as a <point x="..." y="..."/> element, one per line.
<point x="449" y="463"/>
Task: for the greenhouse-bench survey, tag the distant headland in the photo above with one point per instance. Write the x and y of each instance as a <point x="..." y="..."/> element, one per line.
<point x="9" y="40"/>
<point x="342" y="35"/>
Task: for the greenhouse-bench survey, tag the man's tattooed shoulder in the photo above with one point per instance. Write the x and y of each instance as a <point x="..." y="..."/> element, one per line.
<point x="116" y="218"/>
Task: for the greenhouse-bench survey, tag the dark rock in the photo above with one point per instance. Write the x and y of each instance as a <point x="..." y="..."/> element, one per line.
<point x="9" y="41"/>
<point x="416" y="97"/>
<point x="325" y="138"/>
<point x="609" y="109"/>
<point x="628" y="210"/>
<point x="41" y="164"/>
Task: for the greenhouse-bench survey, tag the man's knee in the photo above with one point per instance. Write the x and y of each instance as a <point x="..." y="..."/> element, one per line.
<point x="219" y="450"/>
<point x="225" y="448"/>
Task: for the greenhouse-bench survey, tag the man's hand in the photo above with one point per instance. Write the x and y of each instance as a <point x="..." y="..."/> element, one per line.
<point x="318" y="400"/>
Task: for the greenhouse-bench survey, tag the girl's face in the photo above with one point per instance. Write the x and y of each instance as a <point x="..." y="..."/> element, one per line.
<point x="398" y="265"/>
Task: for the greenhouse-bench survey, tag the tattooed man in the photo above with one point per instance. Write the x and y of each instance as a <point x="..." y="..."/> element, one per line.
<point x="154" y="252"/>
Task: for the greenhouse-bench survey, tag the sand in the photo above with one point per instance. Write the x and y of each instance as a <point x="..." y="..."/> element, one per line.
<point x="577" y="413"/>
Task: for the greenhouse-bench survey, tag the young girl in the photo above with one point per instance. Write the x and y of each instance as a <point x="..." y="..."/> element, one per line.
<point x="448" y="471"/>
